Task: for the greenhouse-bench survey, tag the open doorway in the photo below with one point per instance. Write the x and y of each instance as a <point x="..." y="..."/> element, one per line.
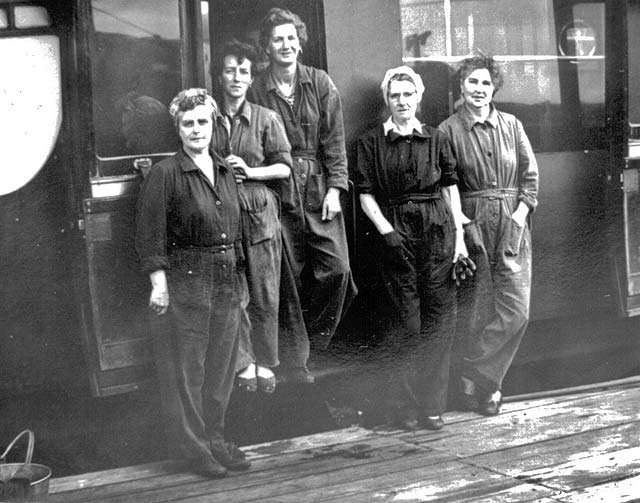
<point x="225" y="19"/>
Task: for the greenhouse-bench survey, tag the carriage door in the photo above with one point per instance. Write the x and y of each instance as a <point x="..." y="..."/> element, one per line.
<point x="625" y="155"/>
<point x="134" y="57"/>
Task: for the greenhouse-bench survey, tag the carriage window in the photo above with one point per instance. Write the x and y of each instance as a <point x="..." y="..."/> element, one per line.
<point x="31" y="17"/>
<point x="136" y="72"/>
<point x="31" y="106"/>
<point x="4" y="20"/>
<point x="551" y="52"/>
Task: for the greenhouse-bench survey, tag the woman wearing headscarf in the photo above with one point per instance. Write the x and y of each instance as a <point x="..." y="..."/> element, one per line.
<point x="499" y="187"/>
<point x="406" y="179"/>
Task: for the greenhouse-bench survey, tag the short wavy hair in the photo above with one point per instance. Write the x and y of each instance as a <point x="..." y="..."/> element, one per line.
<point x="469" y="65"/>
<point x="241" y="50"/>
<point x="277" y="17"/>
<point x="188" y="99"/>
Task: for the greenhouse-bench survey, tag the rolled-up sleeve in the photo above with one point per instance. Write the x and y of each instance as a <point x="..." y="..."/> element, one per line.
<point x="151" y="221"/>
<point x="331" y="134"/>
<point x="527" y="170"/>
<point x="365" y="160"/>
<point x="276" y="145"/>
<point x="446" y="160"/>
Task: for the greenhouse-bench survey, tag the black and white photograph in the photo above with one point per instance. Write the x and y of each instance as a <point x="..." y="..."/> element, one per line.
<point x="305" y="251"/>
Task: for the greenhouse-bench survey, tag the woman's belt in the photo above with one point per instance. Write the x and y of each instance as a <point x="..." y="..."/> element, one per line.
<point x="412" y="198"/>
<point x="310" y="155"/>
<point x="491" y="193"/>
<point x="208" y="249"/>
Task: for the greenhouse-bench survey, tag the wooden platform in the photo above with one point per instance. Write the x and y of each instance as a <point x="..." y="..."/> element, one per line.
<point x="574" y="448"/>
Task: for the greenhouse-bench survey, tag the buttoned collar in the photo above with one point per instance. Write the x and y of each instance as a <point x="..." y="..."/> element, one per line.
<point x="469" y="120"/>
<point x="391" y="129"/>
<point x="187" y="164"/>
<point x="244" y="113"/>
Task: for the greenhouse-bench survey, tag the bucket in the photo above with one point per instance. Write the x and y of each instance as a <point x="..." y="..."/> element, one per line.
<point x="23" y="481"/>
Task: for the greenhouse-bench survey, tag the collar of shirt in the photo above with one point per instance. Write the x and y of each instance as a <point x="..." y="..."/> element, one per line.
<point x="391" y="129"/>
<point x="187" y="164"/>
<point x="303" y="76"/>
<point x="469" y="120"/>
<point x="244" y="113"/>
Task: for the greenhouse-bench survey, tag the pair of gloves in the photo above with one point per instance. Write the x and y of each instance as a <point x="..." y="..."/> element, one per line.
<point x="463" y="268"/>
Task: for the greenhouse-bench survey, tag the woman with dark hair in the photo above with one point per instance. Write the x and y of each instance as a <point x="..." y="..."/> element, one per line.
<point x="313" y="228"/>
<point x="406" y="178"/>
<point x="498" y="180"/>
<point x="254" y="144"/>
<point x="188" y="241"/>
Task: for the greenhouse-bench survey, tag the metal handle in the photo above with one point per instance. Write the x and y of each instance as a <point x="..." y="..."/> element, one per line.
<point x="29" y="447"/>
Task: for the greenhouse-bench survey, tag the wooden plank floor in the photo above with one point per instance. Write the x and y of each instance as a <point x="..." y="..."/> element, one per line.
<point x="574" y="448"/>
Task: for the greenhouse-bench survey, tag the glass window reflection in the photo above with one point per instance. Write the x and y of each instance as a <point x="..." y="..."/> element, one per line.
<point x="136" y="72"/>
<point x="552" y="55"/>
<point x="4" y="19"/>
<point x="31" y="17"/>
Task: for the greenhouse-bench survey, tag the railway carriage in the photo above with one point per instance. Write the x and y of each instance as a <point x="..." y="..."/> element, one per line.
<point x="84" y="90"/>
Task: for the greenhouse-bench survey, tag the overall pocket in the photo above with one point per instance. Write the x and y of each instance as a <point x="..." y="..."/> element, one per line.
<point x="512" y="238"/>
<point x="315" y="192"/>
<point x="258" y="214"/>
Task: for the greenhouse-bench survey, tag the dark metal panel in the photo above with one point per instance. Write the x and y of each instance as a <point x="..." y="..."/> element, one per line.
<point x="569" y="235"/>
<point x="118" y="289"/>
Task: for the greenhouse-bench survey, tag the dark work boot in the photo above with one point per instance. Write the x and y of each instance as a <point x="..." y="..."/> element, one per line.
<point x="208" y="467"/>
<point x="294" y="375"/>
<point x="228" y="455"/>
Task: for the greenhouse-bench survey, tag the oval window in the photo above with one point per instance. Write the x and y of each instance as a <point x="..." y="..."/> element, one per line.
<point x="30" y="100"/>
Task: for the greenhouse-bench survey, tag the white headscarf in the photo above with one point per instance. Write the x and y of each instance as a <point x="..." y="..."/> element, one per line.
<point x="417" y="81"/>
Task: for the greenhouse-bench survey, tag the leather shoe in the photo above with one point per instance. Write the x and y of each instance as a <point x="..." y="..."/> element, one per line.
<point x="490" y="406"/>
<point x="267" y="384"/>
<point x="295" y="375"/>
<point x="228" y="455"/>
<point x="432" y="423"/>
<point x="208" y="467"/>
<point x="249" y="384"/>
<point x="407" y="420"/>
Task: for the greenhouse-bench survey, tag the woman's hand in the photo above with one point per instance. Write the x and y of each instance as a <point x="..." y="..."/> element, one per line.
<point x="240" y="169"/>
<point x="331" y="205"/>
<point x="520" y="215"/>
<point x="460" y="247"/>
<point x="159" y="299"/>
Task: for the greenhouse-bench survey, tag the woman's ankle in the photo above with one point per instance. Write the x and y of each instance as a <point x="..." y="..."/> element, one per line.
<point x="262" y="371"/>
<point x="248" y="372"/>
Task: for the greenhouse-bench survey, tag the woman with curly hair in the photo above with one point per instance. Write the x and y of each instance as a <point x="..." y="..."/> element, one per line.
<point x="188" y="240"/>
<point x="498" y="180"/>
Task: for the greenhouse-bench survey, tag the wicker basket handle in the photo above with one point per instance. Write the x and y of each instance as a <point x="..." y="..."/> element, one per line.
<point x="3" y="458"/>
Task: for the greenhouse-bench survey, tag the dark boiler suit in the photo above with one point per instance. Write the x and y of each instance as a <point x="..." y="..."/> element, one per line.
<point x="405" y="175"/>
<point x="316" y="133"/>
<point x="256" y="135"/>
<point x="497" y="170"/>
<point x="191" y="229"/>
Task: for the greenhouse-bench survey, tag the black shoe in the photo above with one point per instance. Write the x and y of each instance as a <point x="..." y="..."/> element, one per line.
<point x="208" y="467"/>
<point x="249" y="384"/>
<point x="228" y="455"/>
<point x="267" y="384"/>
<point x="407" y="420"/>
<point x="432" y="423"/>
<point x="490" y="406"/>
<point x="295" y="375"/>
